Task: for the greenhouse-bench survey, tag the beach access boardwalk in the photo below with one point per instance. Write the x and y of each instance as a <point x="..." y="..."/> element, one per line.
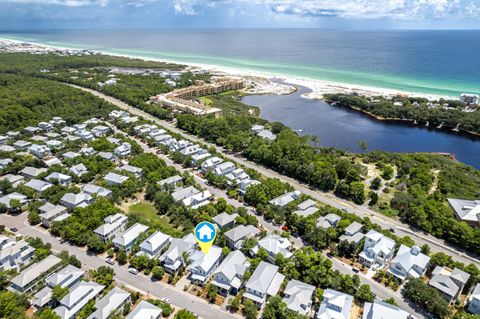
<point x="401" y="229"/>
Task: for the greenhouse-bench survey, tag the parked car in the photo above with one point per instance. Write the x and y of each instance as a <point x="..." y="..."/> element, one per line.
<point x="133" y="270"/>
<point x="284" y="227"/>
<point x="391" y="230"/>
<point x="355" y="270"/>
<point x="165" y="300"/>
<point x="110" y="261"/>
<point x="345" y="209"/>
<point x="14" y="229"/>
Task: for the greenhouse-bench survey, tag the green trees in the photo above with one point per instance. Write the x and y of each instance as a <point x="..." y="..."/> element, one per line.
<point x="46" y="313"/>
<point x="426" y="297"/>
<point x="184" y="314"/>
<point x="95" y="244"/>
<point x="103" y="275"/>
<point x="34" y="218"/>
<point x="157" y="272"/>
<point x="13" y="306"/>
<point x="58" y="292"/>
<point x="250" y="311"/>
<point x="364" y="294"/>
<point x="387" y="173"/>
<point x="122" y="257"/>
<point x="277" y="309"/>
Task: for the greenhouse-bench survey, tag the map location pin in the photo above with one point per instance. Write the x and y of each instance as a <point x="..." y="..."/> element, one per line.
<point x="205" y="234"/>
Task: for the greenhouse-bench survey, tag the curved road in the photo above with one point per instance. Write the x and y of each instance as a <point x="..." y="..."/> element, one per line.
<point x="401" y="229"/>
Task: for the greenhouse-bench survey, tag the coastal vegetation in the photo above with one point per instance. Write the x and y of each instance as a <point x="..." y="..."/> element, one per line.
<point x="449" y="112"/>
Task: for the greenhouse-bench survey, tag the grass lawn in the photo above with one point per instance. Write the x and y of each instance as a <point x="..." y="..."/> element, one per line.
<point x="147" y="214"/>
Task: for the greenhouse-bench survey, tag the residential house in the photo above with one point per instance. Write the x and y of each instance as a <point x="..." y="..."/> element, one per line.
<point x="223" y="168"/>
<point x="52" y="160"/>
<point x="267" y="135"/>
<point x="298" y="296"/>
<point x="449" y="283"/>
<point x="306" y="208"/>
<point x="21" y="145"/>
<point x="114" y="224"/>
<point x="173" y="258"/>
<point x="285" y="199"/>
<point x="38" y="185"/>
<point x="50" y="213"/>
<point x="70" y="155"/>
<point x="145" y="310"/>
<point x="352" y="233"/>
<point x="182" y="193"/>
<point x="114" y="140"/>
<point x="3" y="139"/>
<point x="95" y="190"/>
<point x="68" y="130"/>
<point x="4" y="162"/>
<point x="100" y="131"/>
<point x="126" y="239"/>
<point x="124" y="150"/>
<point x="154" y="244"/>
<point x="39" y="151"/>
<point x="329" y="220"/>
<point x="107" y="156"/>
<point x="224" y="220"/>
<point x="111" y="304"/>
<point x="229" y="275"/>
<point x="466" y="210"/>
<point x="170" y="182"/>
<point x="6" y="200"/>
<point x="39" y="138"/>
<point x="115" y="179"/>
<point x="67" y="277"/>
<point x="274" y="244"/>
<point x="210" y="163"/>
<point x="57" y="121"/>
<point x="257" y="128"/>
<point x="15" y="180"/>
<point x="203" y="265"/>
<point x="198" y="158"/>
<point x="85" y="135"/>
<point x="335" y="305"/>
<point x="77" y="298"/>
<point x="72" y="201"/>
<point x="377" y="250"/>
<point x="14" y="254"/>
<point x="54" y="144"/>
<point x="32" y="172"/>
<point x="31" y="130"/>
<point x="7" y="148"/>
<point x="30" y="277"/>
<point x="380" y="309"/>
<point x="236" y="236"/>
<point x="87" y="151"/>
<point x="245" y="184"/>
<point x="136" y="171"/>
<point x="53" y="136"/>
<point x="197" y="200"/>
<point x="409" y="263"/>
<point x="474" y="301"/>
<point x="61" y="179"/>
<point x="265" y="281"/>
<point x="78" y="170"/>
<point x="47" y="127"/>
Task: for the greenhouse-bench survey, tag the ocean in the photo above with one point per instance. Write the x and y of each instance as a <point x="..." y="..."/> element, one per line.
<point x="430" y="62"/>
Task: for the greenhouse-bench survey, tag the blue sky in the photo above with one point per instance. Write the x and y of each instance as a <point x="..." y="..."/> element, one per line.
<point x="338" y="14"/>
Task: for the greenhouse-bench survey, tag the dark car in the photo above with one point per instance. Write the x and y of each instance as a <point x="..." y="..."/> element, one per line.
<point x="14" y="229"/>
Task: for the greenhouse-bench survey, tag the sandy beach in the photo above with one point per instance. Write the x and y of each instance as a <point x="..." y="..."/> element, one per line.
<point x="261" y="81"/>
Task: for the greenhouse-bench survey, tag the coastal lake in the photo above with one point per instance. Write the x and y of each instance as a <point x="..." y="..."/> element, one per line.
<point x="342" y="128"/>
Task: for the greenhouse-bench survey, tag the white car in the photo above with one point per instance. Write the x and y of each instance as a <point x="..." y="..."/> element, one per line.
<point x="110" y="261"/>
<point x="133" y="270"/>
<point x="165" y="300"/>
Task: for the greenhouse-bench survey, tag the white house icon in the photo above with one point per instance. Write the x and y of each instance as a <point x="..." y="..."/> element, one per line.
<point x="205" y="233"/>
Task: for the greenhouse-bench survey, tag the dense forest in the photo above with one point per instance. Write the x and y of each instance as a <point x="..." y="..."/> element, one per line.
<point x="413" y="109"/>
<point x="26" y="101"/>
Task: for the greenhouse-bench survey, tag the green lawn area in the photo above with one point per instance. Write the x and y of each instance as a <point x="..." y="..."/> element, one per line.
<point x="147" y="214"/>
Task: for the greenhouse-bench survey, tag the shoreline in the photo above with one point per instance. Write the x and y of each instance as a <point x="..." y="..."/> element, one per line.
<point x="317" y="87"/>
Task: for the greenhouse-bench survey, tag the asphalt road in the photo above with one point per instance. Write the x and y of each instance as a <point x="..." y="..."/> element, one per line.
<point x="139" y="282"/>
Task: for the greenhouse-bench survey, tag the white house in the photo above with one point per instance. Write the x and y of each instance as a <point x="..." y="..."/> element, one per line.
<point x="27" y="280"/>
<point x="298" y="296"/>
<point x="306" y="208"/>
<point x="378" y="249"/>
<point x="111" y="304"/>
<point x="229" y="275"/>
<point x="66" y="277"/>
<point x="380" y="309"/>
<point x="224" y="220"/>
<point x="329" y="220"/>
<point x="71" y="155"/>
<point x="6" y="200"/>
<point x="114" y="224"/>
<point x="185" y="192"/>
<point x="127" y="238"/>
<point x="173" y="259"/>
<point x="466" y="210"/>
<point x="203" y="265"/>
<point x="38" y="185"/>
<point x="474" y="301"/>
<point x="265" y="281"/>
<point x="285" y="199"/>
<point x="449" y="283"/>
<point x="223" y="168"/>
<point x="95" y="190"/>
<point x="123" y="150"/>
<point x="145" y="310"/>
<point x="72" y="201"/>
<point x="136" y="171"/>
<point x="77" y="298"/>
<point x="39" y="151"/>
<point x="409" y="263"/>
<point x="210" y="163"/>
<point x="78" y="170"/>
<point x="197" y="200"/>
<point x="335" y="305"/>
<point x="115" y="179"/>
<point x="61" y="179"/>
<point x="100" y="130"/>
<point x="87" y="151"/>
<point x="32" y="172"/>
<point x="274" y="244"/>
<point x="50" y="213"/>
<point x="236" y="236"/>
<point x="154" y="244"/>
<point x="21" y="145"/>
<point x="170" y="182"/>
<point x="14" y="254"/>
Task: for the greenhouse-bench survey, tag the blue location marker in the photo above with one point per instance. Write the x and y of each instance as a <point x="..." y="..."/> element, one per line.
<point x="205" y="234"/>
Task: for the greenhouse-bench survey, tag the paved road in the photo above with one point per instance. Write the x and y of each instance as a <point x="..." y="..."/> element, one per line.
<point x="379" y="290"/>
<point x="401" y="229"/>
<point x="139" y="282"/>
